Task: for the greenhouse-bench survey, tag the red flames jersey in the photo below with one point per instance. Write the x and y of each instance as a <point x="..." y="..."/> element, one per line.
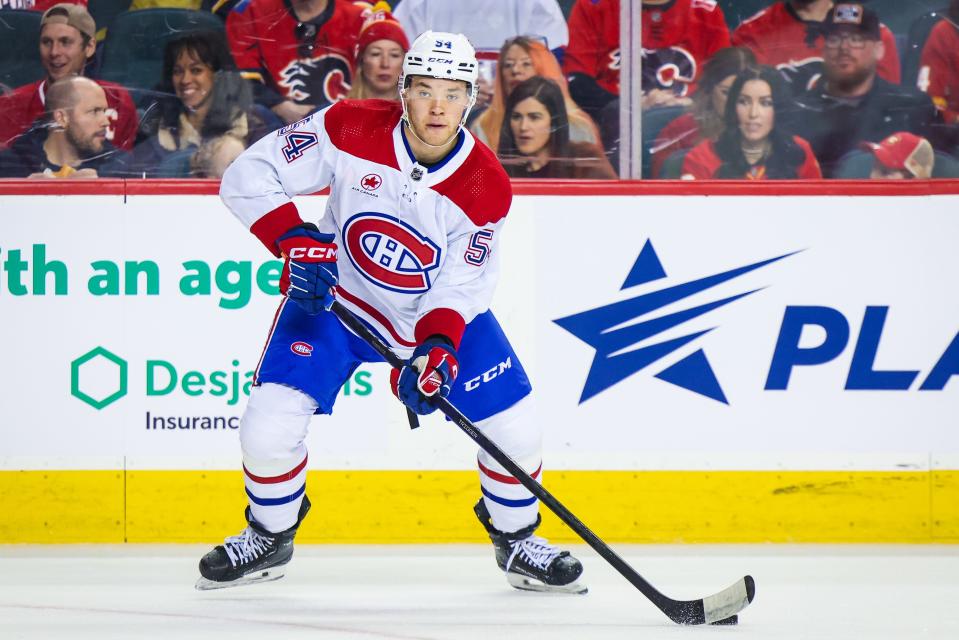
<point x="939" y="70"/>
<point x="20" y="109"/>
<point x="778" y="37"/>
<point x="269" y="46"/>
<point x="703" y="162"/>
<point x="677" y="39"/>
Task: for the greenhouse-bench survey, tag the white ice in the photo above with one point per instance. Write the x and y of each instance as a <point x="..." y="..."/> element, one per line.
<point x="456" y="592"/>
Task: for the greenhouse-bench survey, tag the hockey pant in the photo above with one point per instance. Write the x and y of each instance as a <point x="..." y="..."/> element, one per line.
<point x="492" y="390"/>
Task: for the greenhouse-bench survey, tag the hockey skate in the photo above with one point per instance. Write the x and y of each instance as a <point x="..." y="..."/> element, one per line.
<point x="530" y="562"/>
<point x="256" y="555"/>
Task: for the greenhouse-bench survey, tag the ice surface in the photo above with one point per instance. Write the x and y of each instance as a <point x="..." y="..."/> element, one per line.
<point x="456" y="592"/>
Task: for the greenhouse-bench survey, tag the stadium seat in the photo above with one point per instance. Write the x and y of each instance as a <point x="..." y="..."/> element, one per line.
<point x="133" y="49"/>
<point x="855" y="165"/>
<point x="946" y="166"/>
<point x="673" y="165"/>
<point x="20" y="63"/>
<point x="104" y="11"/>
<point x="653" y="122"/>
<point x="899" y="15"/>
<point x="911" y="53"/>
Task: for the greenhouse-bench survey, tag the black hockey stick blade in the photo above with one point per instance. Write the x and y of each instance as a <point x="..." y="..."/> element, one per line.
<point x="717" y="608"/>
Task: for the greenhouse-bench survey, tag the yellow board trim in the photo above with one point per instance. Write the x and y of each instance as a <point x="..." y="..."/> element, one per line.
<point x="436" y="506"/>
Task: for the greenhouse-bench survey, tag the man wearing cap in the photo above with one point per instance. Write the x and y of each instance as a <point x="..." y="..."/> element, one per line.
<point x="67" y="42"/>
<point x="788" y="35"/>
<point x="902" y="156"/>
<point x="850" y="104"/>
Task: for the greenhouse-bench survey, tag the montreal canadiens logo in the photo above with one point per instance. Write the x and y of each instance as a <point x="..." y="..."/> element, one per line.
<point x="301" y="349"/>
<point x="371" y="182"/>
<point x="389" y="253"/>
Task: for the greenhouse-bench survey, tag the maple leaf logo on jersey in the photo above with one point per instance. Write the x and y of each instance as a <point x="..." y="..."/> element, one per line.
<point x="613" y="330"/>
<point x="371" y="182"/>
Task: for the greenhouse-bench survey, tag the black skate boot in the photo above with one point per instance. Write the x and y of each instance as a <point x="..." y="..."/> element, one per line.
<point x="256" y="555"/>
<point x="530" y="562"/>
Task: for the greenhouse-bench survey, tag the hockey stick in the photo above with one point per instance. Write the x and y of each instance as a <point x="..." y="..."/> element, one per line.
<point x="720" y="608"/>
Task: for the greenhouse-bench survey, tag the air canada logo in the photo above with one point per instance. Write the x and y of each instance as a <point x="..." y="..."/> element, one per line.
<point x="614" y="329"/>
<point x="371" y="182"/>
<point x="390" y="253"/>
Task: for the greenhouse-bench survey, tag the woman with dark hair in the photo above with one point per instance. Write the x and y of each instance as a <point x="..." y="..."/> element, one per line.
<point x="534" y="139"/>
<point x="705" y="120"/>
<point x="753" y="145"/>
<point x="203" y="114"/>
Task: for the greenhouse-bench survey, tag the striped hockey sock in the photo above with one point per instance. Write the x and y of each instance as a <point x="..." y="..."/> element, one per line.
<point x="275" y="497"/>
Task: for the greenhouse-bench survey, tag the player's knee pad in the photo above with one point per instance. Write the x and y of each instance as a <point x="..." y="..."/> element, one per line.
<point x="517" y="432"/>
<point x="274" y="425"/>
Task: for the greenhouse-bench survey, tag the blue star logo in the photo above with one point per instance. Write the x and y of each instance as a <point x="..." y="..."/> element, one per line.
<point x="613" y="332"/>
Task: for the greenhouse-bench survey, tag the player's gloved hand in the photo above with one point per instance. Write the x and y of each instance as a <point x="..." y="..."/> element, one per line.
<point x="309" y="270"/>
<point x="431" y="369"/>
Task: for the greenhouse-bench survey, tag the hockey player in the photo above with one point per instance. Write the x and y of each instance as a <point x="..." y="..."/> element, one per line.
<point x="408" y="243"/>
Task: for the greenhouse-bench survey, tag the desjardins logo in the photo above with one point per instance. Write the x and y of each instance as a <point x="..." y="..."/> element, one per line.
<point x="98" y="378"/>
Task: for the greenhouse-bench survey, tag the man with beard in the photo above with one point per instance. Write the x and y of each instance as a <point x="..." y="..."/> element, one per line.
<point x="789" y="36"/>
<point x="73" y="144"/>
<point x="67" y="42"/>
<point x="850" y="104"/>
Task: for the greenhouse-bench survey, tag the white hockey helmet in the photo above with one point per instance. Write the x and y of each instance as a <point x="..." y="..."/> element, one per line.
<point x="447" y="56"/>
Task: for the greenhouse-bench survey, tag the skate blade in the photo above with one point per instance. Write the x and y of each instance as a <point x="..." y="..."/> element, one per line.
<point x="263" y="575"/>
<point x="525" y="583"/>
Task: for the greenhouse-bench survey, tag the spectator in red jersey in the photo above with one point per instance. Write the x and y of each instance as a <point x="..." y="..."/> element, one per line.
<point x="789" y="36"/>
<point x="902" y="156"/>
<point x="939" y="66"/>
<point x="300" y="52"/>
<point x="534" y="142"/>
<point x="520" y="59"/>
<point x="705" y="121"/>
<point x="72" y="143"/>
<point x="753" y="146"/>
<point x="678" y="37"/>
<point x="379" y="58"/>
<point x="204" y="115"/>
<point x="67" y="42"/>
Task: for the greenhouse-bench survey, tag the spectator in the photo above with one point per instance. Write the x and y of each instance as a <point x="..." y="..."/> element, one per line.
<point x="299" y="52"/>
<point x="73" y="141"/>
<point x="204" y="110"/>
<point x="789" y="36"/>
<point x="902" y="156"/>
<point x="705" y="121"/>
<point x="67" y="42"/>
<point x="754" y="145"/>
<point x="522" y="58"/>
<point x="678" y="37"/>
<point x="535" y="139"/>
<point x="379" y="58"/>
<point x="850" y="104"/>
<point x="487" y="23"/>
<point x="939" y="66"/>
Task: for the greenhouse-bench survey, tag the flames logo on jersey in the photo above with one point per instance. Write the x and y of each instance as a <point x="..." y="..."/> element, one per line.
<point x="671" y="69"/>
<point x="390" y="253"/>
<point x="319" y="81"/>
<point x="801" y="74"/>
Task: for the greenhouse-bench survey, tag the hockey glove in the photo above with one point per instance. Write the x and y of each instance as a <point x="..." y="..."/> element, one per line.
<point x="431" y="370"/>
<point x="309" y="270"/>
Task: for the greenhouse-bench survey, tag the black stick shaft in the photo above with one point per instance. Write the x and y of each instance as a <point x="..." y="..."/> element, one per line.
<point x="665" y="604"/>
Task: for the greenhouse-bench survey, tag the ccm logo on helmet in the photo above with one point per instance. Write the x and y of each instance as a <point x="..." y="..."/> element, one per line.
<point x="441" y="60"/>
<point x="319" y="254"/>
<point x="390" y="253"/>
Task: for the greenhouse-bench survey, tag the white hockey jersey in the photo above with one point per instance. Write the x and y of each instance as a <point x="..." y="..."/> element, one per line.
<point x="417" y="245"/>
